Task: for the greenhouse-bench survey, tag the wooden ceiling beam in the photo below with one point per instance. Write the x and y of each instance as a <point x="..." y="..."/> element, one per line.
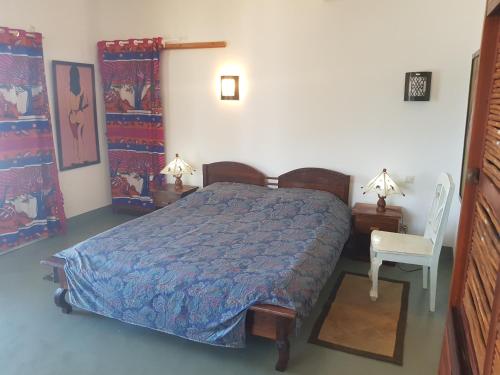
<point x="195" y="45"/>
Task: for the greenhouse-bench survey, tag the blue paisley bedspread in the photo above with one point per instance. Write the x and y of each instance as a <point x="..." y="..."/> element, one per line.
<point x="193" y="268"/>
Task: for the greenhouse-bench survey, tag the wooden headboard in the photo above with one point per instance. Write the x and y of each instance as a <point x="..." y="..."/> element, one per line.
<point x="318" y="179"/>
<point x="230" y="171"/>
<point x="306" y="178"/>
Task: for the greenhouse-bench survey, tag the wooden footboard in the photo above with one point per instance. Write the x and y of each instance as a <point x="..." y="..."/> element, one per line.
<point x="269" y="321"/>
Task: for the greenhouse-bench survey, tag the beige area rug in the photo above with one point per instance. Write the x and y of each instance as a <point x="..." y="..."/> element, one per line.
<point x="352" y="323"/>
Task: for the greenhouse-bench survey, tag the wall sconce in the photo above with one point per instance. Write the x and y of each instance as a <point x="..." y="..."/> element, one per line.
<point x="418" y="86"/>
<point x="230" y="88"/>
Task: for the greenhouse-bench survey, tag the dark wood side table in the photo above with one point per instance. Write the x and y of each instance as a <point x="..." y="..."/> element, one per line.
<point x="365" y="218"/>
<point x="169" y="194"/>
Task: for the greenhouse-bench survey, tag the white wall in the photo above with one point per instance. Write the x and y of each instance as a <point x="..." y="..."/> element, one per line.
<point x="67" y="29"/>
<point x="322" y="84"/>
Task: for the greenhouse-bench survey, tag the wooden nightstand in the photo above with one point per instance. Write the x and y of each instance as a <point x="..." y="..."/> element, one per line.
<point x="365" y="218"/>
<point x="168" y="194"/>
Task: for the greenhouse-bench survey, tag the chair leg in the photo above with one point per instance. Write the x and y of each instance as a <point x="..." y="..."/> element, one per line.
<point x="434" y="270"/>
<point x="371" y="258"/>
<point x="425" y="275"/>
<point x="376" y="263"/>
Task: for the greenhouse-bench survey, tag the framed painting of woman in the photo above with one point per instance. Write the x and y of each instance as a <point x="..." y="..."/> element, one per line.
<point x="75" y="114"/>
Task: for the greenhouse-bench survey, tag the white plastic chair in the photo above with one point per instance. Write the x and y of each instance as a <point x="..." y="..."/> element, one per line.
<point x="420" y="250"/>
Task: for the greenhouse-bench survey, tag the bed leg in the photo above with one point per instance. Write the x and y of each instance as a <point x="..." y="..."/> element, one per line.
<point x="60" y="301"/>
<point x="282" y="343"/>
<point x="56" y="275"/>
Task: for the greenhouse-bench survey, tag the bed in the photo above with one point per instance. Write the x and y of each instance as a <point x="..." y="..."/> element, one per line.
<point x="240" y="218"/>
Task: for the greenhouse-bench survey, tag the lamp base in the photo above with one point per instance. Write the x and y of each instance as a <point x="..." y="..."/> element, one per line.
<point x="381" y="204"/>
<point x="178" y="182"/>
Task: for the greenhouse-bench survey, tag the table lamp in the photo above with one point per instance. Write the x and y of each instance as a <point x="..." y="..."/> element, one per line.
<point x="176" y="168"/>
<point x="384" y="186"/>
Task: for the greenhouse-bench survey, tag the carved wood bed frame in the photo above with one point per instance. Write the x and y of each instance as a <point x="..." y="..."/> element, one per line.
<point x="269" y="321"/>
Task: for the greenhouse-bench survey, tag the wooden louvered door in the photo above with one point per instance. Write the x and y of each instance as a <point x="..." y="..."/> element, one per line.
<point x="480" y="302"/>
<point x="472" y="337"/>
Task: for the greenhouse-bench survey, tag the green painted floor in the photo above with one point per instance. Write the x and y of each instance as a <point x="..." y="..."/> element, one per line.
<point x="36" y="338"/>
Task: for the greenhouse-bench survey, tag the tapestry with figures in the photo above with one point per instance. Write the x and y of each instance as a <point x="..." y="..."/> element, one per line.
<point x="131" y="82"/>
<point x="31" y="204"/>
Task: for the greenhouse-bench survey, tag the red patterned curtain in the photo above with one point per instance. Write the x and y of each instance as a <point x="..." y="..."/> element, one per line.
<point x="31" y="203"/>
<point x="130" y="71"/>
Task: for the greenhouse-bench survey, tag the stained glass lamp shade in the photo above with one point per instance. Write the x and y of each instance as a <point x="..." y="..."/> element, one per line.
<point x="177" y="168"/>
<point x="384" y="186"/>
